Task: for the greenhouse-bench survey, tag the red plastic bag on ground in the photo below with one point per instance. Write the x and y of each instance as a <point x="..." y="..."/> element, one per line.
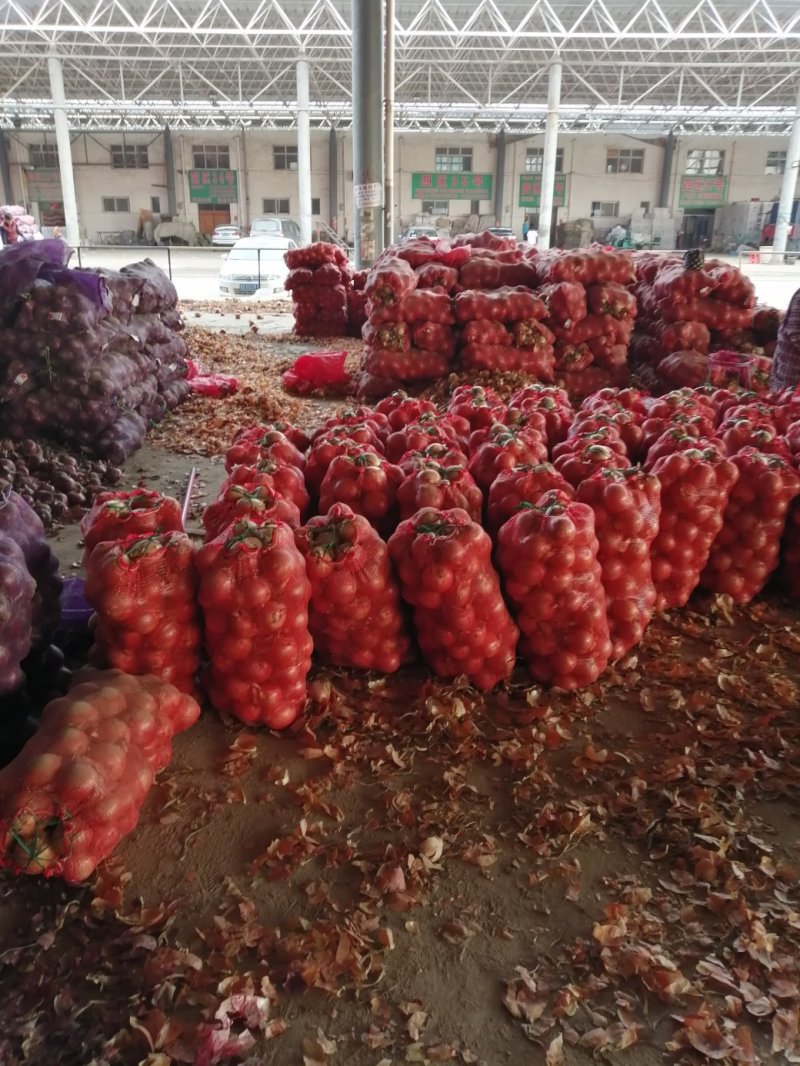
<point x="254" y="594"/>
<point x="522" y="484"/>
<point x="316" y="370"/>
<point x="367" y="484"/>
<point x="215" y="385"/>
<point x="356" y="616"/>
<point x="547" y="555"/>
<point x="627" y="507"/>
<point x="117" y="515"/>
<point x="746" y="549"/>
<point x="144" y="592"/>
<point x="695" y="486"/>
<point x="77" y="787"/>
<point x="431" y="484"/>
<point x="443" y="560"/>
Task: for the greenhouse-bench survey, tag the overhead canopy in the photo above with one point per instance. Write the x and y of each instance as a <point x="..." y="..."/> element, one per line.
<point x="643" y="67"/>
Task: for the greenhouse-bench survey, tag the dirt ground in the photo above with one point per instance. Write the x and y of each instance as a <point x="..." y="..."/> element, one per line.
<point x="416" y="873"/>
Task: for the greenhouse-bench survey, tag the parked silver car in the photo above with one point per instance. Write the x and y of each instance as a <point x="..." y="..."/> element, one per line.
<point x="255" y="263"/>
<point x="274" y="224"/>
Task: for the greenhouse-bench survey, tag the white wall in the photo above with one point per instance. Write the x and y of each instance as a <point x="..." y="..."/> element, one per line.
<point x="584" y="165"/>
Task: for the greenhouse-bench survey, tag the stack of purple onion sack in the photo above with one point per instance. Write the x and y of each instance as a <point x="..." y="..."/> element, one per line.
<point x="87" y="357"/>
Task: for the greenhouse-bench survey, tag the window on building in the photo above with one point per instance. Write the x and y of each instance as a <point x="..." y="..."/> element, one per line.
<point x="435" y="207"/>
<point x="705" y="161"/>
<point x="644" y="205"/>
<point x="625" y="161"/>
<point x="453" y="159"/>
<point x="315" y="206"/>
<point x="535" y="156"/>
<point x="275" y="206"/>
<point x="211" y="156"/>
<point x="129" y="157"/>
<point x="43" y="155"/>
<point x="155" y="205"/>
<point x="776" y="162"/>
<point x="284" y="157"/>
<point x="605" y="208"/>
<point x="117" y="204"/>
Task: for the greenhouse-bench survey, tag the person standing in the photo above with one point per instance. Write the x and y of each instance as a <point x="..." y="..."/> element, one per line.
<point x="9" y="228"/>
<point x="525" y="228"/>
<point x="533" y="236"/>
<point x="785" y="373"/>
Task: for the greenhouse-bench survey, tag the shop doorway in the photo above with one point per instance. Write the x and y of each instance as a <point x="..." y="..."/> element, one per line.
<point x="698" y="227"/>
<point x="213" y="215"/>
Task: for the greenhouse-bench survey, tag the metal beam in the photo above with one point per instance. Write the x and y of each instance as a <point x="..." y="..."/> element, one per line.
<point x="5" y="172"/>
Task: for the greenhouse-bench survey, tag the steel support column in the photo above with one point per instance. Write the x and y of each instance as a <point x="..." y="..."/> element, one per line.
<point x="388" y="128"/>
<point x="333" y="180"/>
<point x="303" y="151"/>
<point x="169" y="172"/>
<point x="68" y="197"/>
<point x="788" y="184"/>
<point x="5" y="172"/>
<point x="367" y="21"/>
<point x="244" y="183"/>
<point x="666" y="170"/>
<point x="500" y="177"/>
<point x="549" y="154"/>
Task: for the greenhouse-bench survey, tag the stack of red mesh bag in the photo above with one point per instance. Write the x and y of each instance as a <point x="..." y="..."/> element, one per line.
<point x="694" y="310"/>
<point x="502" y="329"/>
<point x="144" y="592"/>
<point x="319" y="282"/>
<point x="407" y="334"/>
<point x="357" y="303"/>
<point x="590" y="313"/>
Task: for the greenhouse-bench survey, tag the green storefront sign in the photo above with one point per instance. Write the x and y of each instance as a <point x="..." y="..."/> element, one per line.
<point x="213" y="186"/>
<point x="698" y="191"/>
<point x="44" y="185"/>
<point x="530" y="191"/>
<point x="435" y="186"/>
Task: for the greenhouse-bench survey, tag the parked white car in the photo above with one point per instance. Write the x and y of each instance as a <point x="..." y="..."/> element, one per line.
<point x="255" y="263"/>
<point x="226" y="236"/>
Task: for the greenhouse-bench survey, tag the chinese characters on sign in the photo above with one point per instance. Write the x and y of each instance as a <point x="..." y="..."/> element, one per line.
<point x="697" y="191"/>
<point x="435" y="186"/>
<point x="530" y="191"/>
<point x="213" y="186"/>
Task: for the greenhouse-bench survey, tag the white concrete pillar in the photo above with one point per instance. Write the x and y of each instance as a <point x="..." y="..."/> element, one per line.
<point x="388" y="127"/>
<point x="788" y="184"/>
<point x="71" y="228"/>
<point x="549" y="154"/>
<point x="303" y="150"/>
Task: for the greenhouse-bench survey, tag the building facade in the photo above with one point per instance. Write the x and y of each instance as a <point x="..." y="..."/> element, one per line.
<point x="235" y="176"/>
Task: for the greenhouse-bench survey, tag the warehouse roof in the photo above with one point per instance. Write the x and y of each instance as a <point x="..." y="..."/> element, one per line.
<point x="644" y="67"/>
